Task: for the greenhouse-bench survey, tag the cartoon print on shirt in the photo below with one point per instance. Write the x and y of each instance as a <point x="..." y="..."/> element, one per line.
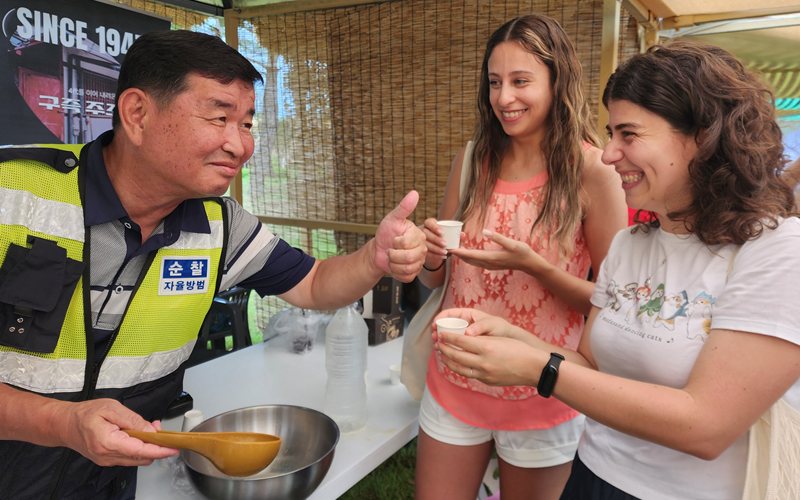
<point x="673" y="307"/>
<point x="641" y="305"/>
<point x="647" y="311"/>
<point x="645" y="305"/>
<point x="698" y="313"/>
<point x="642" y="294"/>
<point x="621" y="295"/>
<point x="612" y="297"/>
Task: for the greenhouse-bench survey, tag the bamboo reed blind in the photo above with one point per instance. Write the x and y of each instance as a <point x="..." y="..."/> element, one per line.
<point x="628" y="37"/>
<point x="363" y="104"/>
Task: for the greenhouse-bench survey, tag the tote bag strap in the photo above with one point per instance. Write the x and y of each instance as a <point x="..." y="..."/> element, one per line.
<point x="462" y="186"/>
<point x="417" y="340"/>
<point x="730" y="262"/>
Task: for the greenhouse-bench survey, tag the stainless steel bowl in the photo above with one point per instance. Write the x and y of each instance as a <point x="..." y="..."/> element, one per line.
<point x="308" y="440"/>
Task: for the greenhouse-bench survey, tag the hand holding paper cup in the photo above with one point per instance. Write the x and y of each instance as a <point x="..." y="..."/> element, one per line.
<point x="452" y="325"/>
<point x="452" y="232"/>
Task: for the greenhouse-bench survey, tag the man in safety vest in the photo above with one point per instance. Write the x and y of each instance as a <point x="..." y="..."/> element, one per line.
<point x="111" y="254"/>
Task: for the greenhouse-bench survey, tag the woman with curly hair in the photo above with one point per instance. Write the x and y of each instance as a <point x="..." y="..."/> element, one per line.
<point x="539" y="209"/>
<point x="670" y="396"/>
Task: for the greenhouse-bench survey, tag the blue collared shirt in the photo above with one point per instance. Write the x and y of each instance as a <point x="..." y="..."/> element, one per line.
<point x="103" y="205"/>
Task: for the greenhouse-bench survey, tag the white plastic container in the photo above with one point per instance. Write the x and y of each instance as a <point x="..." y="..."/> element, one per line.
<point x="191" y="419"/>
<point x="346" y="364"/>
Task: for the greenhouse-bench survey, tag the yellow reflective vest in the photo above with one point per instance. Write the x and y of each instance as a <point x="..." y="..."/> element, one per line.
<point x="44" y="302"/>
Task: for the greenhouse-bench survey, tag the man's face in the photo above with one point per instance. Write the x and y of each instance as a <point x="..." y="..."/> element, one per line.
<point x="198" y="143"/>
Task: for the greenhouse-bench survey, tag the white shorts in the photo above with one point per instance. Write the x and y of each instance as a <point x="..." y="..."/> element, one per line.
<point x="534" y="448"/>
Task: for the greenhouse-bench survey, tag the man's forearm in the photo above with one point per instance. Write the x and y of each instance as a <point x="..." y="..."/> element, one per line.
<point x="29" y="417"/>
<point x="344" y="279"/>
<point x="337" y="281"/>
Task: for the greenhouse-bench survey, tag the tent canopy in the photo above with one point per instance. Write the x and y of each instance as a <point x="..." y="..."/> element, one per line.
<point x="660" y="8"/>
<point x="673" y="8"/>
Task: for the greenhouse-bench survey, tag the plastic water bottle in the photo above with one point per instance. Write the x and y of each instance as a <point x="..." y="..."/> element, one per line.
<point x="346" y="364"/>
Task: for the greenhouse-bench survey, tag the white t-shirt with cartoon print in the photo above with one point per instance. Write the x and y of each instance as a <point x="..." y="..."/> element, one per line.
<point x="660" y="295"/>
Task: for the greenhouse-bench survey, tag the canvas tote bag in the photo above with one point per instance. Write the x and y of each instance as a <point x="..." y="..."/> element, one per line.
<point x="773" y="454"/>
<point x="773" y="458"/>
<point x="417" y="340"/>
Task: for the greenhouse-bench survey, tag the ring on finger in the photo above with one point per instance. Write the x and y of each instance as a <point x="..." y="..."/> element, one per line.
<point x="470" y="373"/>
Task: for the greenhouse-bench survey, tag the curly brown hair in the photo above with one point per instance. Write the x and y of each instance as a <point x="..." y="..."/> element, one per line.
<point x="569" y="125"/>
<point x="706" y="93"/>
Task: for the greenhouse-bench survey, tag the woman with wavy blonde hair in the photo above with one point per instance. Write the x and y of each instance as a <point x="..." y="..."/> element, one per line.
<point x="539" y="208"/>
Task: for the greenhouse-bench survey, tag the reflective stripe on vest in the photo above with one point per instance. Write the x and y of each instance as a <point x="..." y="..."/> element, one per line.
<point x="40" y="215"/>
<point x="159" y="331"/>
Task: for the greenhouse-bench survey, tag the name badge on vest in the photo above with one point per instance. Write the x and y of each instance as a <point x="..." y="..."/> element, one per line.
<point x="183" y="275"/>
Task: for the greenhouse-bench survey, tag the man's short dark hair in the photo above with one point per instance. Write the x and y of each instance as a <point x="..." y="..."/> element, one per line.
<point x="159" y="62"/>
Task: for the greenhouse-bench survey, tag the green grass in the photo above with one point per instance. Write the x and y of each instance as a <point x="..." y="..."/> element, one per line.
<point x="392" y="480"/>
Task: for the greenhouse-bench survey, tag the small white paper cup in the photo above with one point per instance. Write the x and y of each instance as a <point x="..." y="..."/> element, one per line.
<point x="452" y="233"/>
<point x="452" y="325"/>
<point x="191" y="419"/>
<point x="395" y="374"/>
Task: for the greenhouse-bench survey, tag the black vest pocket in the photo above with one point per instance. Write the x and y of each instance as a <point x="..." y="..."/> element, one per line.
<point x="36" y="286"/>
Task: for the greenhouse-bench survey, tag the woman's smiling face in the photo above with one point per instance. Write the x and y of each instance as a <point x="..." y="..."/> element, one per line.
<point x="651" y="158"/>
<point x="519" y="90"/>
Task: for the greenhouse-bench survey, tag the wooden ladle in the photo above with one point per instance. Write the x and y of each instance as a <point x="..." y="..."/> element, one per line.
<point x="233" y="453"/>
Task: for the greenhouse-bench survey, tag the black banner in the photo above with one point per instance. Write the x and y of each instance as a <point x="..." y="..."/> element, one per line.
<point x="59" y="66"/>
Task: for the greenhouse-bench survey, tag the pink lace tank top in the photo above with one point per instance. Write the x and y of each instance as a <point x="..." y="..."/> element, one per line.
<point x="521" y="300"/>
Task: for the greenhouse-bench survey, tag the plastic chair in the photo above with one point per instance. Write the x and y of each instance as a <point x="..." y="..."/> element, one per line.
<point x="226" y="318"/>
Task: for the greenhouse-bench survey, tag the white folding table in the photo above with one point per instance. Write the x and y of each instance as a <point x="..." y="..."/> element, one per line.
<point x="267" y="374"/>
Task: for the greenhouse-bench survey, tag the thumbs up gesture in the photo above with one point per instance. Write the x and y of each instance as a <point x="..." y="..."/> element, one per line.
<point x="399" y="244"/>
